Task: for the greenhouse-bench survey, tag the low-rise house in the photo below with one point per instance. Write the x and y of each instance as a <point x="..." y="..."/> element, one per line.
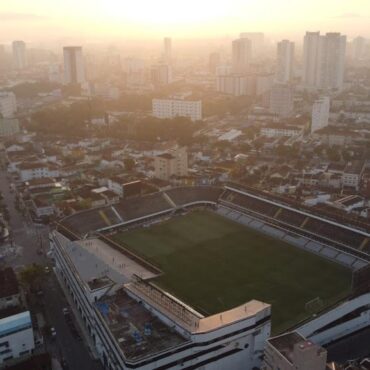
<point x="349" y="202"/>
<point x="90" y="198"/>
<point x="10" y="295"/>
<point x="42" y="207"/>
<point x="36" y="170"/>
<point x="352" y="174"/>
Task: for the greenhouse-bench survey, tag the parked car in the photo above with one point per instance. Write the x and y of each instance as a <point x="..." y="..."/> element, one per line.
<point x="66" y="311"/>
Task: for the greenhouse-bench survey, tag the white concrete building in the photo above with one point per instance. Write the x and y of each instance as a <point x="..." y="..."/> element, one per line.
<point x="241" y="55"/>
<point x="101" y="284"/>
<point x="352" y="174"/>
<point x="29" y="171"/>
<point x="171" y="108"/>
<point x="8" y="104"/>
<point x="16" y="336"/>
<point x="19" y="55"/>
<point x="281" y="100"/>
<point x="320" y="113"/>
<point x="74" y="67"/>
<point x="285" y="61"/>
<point x="323" y="60"/>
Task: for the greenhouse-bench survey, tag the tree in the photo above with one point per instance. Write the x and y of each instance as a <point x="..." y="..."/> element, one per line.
<point x="31" y="276"/>
<point x="129" y="164"/>
<point x="333" y="154"/>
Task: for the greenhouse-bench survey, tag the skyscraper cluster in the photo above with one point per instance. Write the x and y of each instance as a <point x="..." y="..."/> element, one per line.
<point x="285" y="61"/>
<point x="19" y="55"/>
<point x="74" y="70"/>
<point x="324" y="60"/>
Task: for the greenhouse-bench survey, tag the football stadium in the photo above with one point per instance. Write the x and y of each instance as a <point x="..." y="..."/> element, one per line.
<point x="215" y="264"/>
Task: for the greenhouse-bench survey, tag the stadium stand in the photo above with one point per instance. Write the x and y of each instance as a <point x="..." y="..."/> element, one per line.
<point x="318" y="229"/>
<point x="291" y="217"/>
<point x="250" y="203"/>
<point x="186" y="195"/>
<point x="259" y="207"/>
<point x="140" y="206"/>
<point x="333" y="232"/>
<point x="320" y="211"/>
<point x="93" y="219"/>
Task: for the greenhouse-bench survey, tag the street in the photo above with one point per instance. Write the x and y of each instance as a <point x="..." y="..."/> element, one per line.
<point x="24" y="233"/>
<point x="32" y="238"/>
<point x="67" y="345"/>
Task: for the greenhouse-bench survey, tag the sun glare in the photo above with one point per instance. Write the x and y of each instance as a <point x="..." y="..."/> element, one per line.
<point x="163" y="11"/>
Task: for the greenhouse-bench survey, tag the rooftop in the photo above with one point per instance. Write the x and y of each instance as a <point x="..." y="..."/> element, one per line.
<point x="166" y="156"/>
<point x="8" y="283"/>
<point x="98" y="264"/>
<point x="285" y="343"/>
<point x="138" y="332"/>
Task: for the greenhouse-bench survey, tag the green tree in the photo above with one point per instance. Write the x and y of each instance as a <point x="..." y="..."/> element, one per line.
<point x="31" y="276"/>
<point x="129" y="164"/>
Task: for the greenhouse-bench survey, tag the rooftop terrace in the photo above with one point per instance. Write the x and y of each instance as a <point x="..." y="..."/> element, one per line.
<point x="138" y="332"/>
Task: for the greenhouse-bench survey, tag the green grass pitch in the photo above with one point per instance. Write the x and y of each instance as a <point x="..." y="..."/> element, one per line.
<point x="214" y="264"/>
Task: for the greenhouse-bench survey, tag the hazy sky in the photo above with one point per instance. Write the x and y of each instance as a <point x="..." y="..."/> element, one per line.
<point x="33" y="20"/>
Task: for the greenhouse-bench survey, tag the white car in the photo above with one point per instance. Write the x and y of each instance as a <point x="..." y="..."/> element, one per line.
<point x="65" y="311"/>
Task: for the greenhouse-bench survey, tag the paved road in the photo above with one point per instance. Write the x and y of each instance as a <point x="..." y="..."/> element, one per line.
<point x="74" y="351"/>
<point x="24" y="232"/>
<point x="32" y="238"/>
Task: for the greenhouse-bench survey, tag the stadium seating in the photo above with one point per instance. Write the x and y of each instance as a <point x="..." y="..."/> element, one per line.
<point x="141" y="206"/>
<point x="291" y="217"/>
<point x="186" y="195"/>
<point x="250" y="203"/>
<point x="321" y="229"/>
<point x="335" y="233"/>
<point x="93" y="219"/>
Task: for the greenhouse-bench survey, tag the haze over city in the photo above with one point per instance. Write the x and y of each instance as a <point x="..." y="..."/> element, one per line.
<point x="44" y="20"/>
<point x="184" y="185"/>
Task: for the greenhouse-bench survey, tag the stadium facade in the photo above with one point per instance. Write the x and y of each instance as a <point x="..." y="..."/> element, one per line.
<point x="134" y="324"/>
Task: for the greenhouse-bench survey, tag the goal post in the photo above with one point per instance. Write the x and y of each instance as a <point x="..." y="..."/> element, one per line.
<point x="314" y="305"/>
